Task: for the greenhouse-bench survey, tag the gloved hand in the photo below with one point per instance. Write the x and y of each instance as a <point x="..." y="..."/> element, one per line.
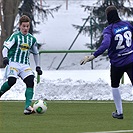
<point x="87" y="59"/>
<point x="5" y="61"/>
<point x="39" y="71"/>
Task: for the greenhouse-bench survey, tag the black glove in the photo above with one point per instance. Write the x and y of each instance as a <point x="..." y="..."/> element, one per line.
<point x="5" y="61"/>
<point x="39" y="71"/>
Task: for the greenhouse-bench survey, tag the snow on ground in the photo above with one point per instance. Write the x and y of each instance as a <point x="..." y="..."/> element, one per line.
<point x="70" y="85"/>
<point x="79" y="85"/>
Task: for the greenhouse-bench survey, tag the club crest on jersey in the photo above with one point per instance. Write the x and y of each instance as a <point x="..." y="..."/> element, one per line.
<point x="24" y="46"/>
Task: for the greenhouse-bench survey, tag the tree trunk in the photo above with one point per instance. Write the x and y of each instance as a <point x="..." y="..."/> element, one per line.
<point x="10" y="10"/>
<point x="1" y="24"/>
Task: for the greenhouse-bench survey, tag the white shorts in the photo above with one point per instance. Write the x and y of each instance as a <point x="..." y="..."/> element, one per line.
<point x="16" y="70"/>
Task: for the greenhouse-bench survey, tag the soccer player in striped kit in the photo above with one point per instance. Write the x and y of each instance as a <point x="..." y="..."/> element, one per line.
<point x="118" y="40"/>
<point x="16" y="51"/>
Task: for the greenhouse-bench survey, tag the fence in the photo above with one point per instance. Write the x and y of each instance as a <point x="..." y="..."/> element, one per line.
<point x="69" y="51"/>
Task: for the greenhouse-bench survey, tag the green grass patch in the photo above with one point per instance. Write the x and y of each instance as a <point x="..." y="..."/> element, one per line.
<point x="64" y="117"/>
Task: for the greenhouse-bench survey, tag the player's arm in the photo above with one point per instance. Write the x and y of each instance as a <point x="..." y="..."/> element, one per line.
<point x="8" y="43"/>
<point x="5" y="58"/>
<point x="35" y="52"/>
<point x="5" y="52"/>
<point x="104" y="45"/>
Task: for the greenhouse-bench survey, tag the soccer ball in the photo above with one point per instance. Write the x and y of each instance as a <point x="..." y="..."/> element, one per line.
<point x="40" y="106"/>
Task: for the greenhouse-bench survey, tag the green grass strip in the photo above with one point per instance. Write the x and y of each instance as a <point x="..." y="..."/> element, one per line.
<point x="65" y="117"/>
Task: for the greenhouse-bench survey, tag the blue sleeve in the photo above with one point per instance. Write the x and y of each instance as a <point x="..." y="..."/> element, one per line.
<point x="105" y="43"/>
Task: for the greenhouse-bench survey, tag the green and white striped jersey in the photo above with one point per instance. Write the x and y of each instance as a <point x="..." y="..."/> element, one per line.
<point x="20" y="46"/>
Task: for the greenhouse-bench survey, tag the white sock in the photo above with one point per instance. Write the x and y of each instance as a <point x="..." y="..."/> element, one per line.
<point x="117" y="100"/>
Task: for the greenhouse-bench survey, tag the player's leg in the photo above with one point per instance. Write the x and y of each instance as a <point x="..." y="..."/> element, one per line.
<point x="129" y="71"/>
<point x="28" y="77"/>
<point x="7" y="85"/>
<point x="11" y="74"/>
<point x="116" y="75"/>
<point x="29" y="81"/>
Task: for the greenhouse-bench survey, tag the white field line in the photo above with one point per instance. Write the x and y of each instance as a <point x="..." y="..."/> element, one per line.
<point x="78" y="101"/>
<point x="67" y="101"/>
<point x="118" y="131"/>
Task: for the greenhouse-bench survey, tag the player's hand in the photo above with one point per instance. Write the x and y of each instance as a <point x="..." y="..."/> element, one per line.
<point x="38" y="70"/>
<point x="87" y="59"/>
<point x="5" y="61"/>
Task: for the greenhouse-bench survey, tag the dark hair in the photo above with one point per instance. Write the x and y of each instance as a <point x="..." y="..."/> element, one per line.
<point x="24" y="18"/>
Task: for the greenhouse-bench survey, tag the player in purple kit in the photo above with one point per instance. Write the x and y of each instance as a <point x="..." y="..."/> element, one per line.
<point x="117" y="39"/>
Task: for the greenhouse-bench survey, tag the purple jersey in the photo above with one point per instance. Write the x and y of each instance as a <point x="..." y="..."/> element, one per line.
<point x="117" y="38"/>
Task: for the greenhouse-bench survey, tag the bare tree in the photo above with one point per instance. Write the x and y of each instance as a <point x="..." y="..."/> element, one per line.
<point x="10" y="10"/>
<point x="1" y="30"/>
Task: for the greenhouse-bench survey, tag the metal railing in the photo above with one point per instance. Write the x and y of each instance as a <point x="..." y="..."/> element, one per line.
<point x="63" y="51"/>
<point x="69" y="51"/>
<point x="66" y="51"/>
